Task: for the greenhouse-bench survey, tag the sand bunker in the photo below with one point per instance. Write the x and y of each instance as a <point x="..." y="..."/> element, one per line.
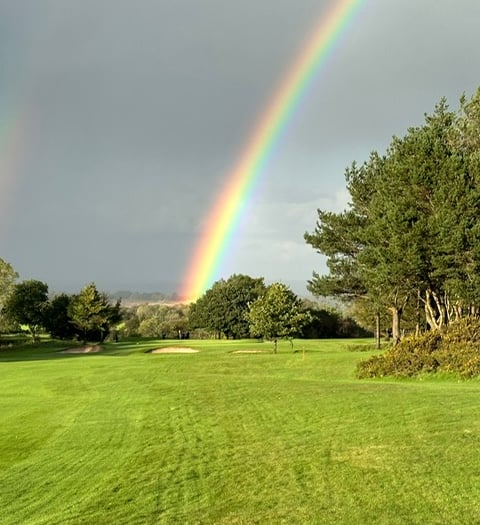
<point x="249" y="352"/>
<point x="174" y="350"/>
<point x="82" y="350"/>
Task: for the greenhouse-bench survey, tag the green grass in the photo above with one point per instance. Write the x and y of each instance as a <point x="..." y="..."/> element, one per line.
<point x="128" y="437"/>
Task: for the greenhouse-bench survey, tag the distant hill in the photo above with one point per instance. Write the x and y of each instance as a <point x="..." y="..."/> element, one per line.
<point x="129" y="297"/>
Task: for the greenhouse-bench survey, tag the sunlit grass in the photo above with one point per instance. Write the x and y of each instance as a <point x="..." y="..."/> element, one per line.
<point x="223" y="437"/>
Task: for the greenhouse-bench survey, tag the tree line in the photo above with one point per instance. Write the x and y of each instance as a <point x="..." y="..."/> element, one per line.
<point x="409" y="241"/>
<point x="241" y="307"/>
<point x="87" y="316"/>
<point x="238" y="307"/>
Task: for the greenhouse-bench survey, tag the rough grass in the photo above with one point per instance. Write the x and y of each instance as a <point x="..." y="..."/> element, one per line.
<point x="129" y="437"/>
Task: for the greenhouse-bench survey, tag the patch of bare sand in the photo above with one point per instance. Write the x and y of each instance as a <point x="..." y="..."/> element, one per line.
<point x="82" y="350"/>
<point x="174" y="350"/>
<point x="249" y="352"/>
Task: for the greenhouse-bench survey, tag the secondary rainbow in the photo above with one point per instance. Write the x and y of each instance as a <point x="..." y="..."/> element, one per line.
<point x="222" y="221"/>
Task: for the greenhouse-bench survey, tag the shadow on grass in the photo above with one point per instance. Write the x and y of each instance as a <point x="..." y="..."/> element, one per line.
<point x="45" y="351"/>
<point x="25" y="350"/>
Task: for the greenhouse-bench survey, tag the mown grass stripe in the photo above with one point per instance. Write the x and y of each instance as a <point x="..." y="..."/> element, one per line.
<point x="216" y="437"/>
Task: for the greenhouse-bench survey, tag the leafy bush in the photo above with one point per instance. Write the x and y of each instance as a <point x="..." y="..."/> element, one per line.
<point x="456" y="350"/>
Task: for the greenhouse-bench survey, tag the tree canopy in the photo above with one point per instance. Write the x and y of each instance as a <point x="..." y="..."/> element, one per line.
<point x="92" y="314"/>
<point x="8" y="276"/>
<point x="26" y="305"/>
<point x="7" y="279"/>
<point x="278" y="313"/>
<point x="411" y="232"/>
<point x="223" y="308"/>
<point x="57" y="321"/>
<point x="161" y="320"/>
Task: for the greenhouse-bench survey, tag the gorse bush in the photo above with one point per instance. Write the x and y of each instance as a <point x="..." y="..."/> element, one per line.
<point x="412" y="356"/>
<point x="460" y="349"/>
<point x="463" y="330"/>
<point x="455" y="350"/>
<point x="462" y="359"/>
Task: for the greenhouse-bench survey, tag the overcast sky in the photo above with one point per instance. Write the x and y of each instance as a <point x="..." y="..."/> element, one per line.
<point x="120" y="121"/>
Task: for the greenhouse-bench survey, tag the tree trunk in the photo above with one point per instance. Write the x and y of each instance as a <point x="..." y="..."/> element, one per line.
<point x="377" y="331"/>
<point x="431" y="314"/>
<point x="33" y="333"/>
<point x="417" y="315"/>
<point x="396" y="318"/>
<point x="442" y="309"/>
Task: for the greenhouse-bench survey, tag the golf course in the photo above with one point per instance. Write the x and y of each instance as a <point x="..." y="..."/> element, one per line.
<point x="231" y="434"/>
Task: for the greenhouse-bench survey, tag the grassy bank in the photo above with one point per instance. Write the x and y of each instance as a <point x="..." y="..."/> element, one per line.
<point x="125" y="436"/>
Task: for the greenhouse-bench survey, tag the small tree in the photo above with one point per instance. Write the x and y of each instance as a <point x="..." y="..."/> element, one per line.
<point x="92" y="314"/>
<point x="277" y="314"/>
<point x="26" y="305"/>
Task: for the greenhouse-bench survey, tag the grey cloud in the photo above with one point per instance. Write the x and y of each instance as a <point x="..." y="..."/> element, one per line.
<point x="136" y="113"/>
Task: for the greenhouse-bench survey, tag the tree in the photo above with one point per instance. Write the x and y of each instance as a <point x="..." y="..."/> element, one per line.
<point x="411" y="232"/>
<point x="341" y="237"/>
<point x="130" y="323"/>
<point x="161" y="320"/>
<point x="223" y="308"/>
<point x="92" y="313"/>
<point x="277" y="314"/>
<point x="26" y="305"/>
<point x="323" y="322"/>
<point x="7" y="279"/>
<point x="57" y="322"/>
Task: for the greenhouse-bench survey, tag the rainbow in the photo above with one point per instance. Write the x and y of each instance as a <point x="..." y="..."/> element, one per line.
<point x="224" y="217"/>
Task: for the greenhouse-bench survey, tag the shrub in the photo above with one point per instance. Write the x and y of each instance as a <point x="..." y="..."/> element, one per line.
<point x="462" y="358"/>
<point x="463" y="330"/>
<point x="455" y="350"/>
<point x="376" y="366"/>
<point x="412" y="356"/>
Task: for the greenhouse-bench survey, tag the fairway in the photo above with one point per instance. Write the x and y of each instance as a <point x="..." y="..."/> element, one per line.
<point x="125" y="436"/>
